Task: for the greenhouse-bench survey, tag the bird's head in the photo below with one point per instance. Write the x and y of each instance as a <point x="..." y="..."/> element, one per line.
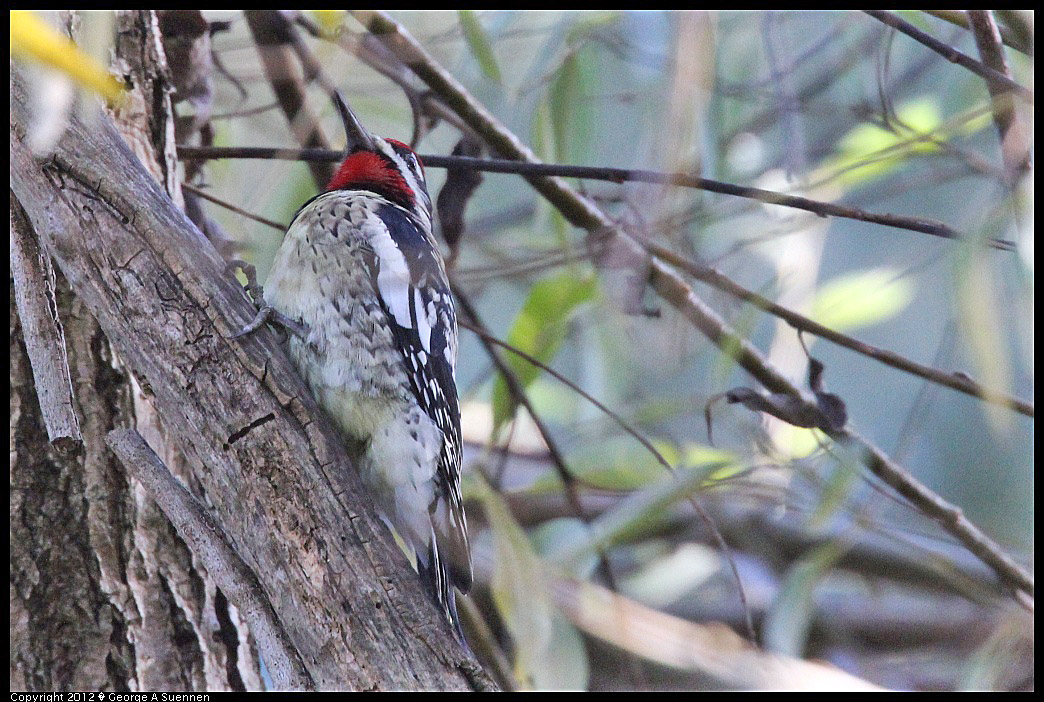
<point x="384" y="166"/>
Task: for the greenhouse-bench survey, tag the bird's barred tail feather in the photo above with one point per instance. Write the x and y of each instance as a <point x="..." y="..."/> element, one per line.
<point x="435" y="574"/>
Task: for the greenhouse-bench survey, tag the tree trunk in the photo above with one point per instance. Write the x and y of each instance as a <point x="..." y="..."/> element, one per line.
<point x="104" y="593"/>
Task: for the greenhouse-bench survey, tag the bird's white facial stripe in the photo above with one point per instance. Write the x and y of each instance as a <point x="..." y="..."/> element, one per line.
<point x="411" y="173"/>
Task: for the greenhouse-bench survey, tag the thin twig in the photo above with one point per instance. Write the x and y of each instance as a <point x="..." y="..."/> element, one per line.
<point x="518" y="393"/>
<point x="620" y="421"/>
<point x="614" y="175"/>
<point x="229" y="206"/>
<point x="640" y="438"/>
<point x="950" y="516"/>
<point x="956" y="381"/>
<point x="557" y="459"/>
<point x="949" y="53"/>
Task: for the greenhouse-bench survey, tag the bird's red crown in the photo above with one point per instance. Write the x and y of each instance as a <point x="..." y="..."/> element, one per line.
<point x="376" y="171"/>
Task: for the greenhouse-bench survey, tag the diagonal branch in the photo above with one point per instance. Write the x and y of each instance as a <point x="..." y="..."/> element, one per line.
<point x="208" y="542"/>
<point x="1014" y="139"/>
<point x="665" y="280"/>
<point x="33" y="277"/>
<point x="640" y="438"/>
<point x="956" y="381"/>
<point x="960" y="18"/>
<point x="951" y="54"/>
<point x="518" y="392"/>
<point x="273" y="35"/>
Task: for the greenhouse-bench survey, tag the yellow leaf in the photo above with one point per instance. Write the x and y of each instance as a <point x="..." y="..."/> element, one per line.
<point x="33" y="38"/>
<point x="331" y="21"/>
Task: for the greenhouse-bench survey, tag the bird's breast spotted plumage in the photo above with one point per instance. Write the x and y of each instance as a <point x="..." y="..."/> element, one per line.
<point x="340" y="245"/>
<point x="315" y="278"/>
<point x="365" y="276"/>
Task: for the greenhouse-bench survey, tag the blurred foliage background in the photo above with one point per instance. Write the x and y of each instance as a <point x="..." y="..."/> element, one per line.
<point x="834" y="106"/>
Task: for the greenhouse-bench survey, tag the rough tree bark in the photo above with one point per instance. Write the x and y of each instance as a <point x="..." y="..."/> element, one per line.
<point x="92" y="558"/>
<point x="104" y="594"/>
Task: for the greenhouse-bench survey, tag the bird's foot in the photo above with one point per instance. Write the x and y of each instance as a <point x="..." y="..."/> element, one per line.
<point x="265" y="312"/>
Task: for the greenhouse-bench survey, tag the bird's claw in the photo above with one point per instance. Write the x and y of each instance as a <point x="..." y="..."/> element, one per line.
<point x="255" y="291"/>
<point x="265" y="312"/>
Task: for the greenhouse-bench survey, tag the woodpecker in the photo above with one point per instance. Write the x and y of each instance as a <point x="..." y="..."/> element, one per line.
<point x="361" y="274"/>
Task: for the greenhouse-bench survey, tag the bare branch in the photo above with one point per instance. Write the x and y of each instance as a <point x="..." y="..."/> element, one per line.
<point x="273" y="36"/>
<point x="426" y="106"/>
<point x="956" y="381"/>
<point x="960" y="18"/>
<point x="951" y="54"/>
<point x="615" y="175"/>
<point x="640" y="438"/>
<point x="42" y="330"/>
<point x="518" y="393"/>
<point x="1015" y="142"/>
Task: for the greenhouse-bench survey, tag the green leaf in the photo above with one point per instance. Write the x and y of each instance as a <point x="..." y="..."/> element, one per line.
<point x="789" y="618"/>
<point x="728" y="463"/>
<point x="565" y="665"/>
<point x="479" y="43"/>
<point x="539" y="330"/>
<point x="870" y="151"/>
<point x="862" y="298"/>
<point x="331" y="22"/>
<point x="978" y="299"/>
<point x="572" y="112"/>
<point x="542" y="136"/>
<point x="542" y="132"/>
<point x="563" y="99"/>
<point x="637" y="510"/>
<point x="517" y="586"/>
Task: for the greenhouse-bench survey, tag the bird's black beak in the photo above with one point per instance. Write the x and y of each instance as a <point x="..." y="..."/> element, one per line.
<point x="357" y="136"/>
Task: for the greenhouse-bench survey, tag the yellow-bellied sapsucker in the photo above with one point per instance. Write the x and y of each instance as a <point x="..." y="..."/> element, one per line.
<point x="361" y="272"/>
